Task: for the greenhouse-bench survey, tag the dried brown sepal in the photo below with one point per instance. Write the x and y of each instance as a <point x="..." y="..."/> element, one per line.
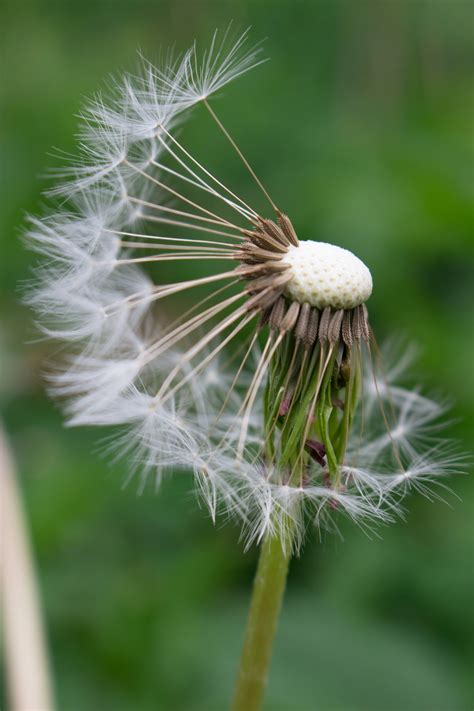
<point x="273" y="280"/>
<point x="287" y="228"/>
<point x="365" y="322"/>
<point x="360" y="325"/>
<point x="265" y="317"/>
<point x="323" y="332"/>
<point x="311" y="334"/>
<point x="291" y="317"/>
<point x="271" y="228"/>
<point x="265" y="241"/>
<point x="302" y="323"/>
<point x="346" y="329"/>
<point x="277" y="314"/>
<point x="334" y="329"/>
<point x="248" y="271"/>
<point x="264" y="299"/>
<point x="250" y="253"/>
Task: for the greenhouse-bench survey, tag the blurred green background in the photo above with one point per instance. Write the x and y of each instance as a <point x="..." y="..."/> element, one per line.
<point x="361" y="125"/>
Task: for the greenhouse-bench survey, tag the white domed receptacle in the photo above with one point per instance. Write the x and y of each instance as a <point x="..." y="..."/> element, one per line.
<point x="326" y="275"/>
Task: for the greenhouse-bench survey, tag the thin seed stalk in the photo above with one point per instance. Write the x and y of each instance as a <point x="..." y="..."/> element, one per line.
<point x="267" y="596"/>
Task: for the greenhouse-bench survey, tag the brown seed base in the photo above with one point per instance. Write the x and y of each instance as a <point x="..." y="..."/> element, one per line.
<point x="267" y="275"/>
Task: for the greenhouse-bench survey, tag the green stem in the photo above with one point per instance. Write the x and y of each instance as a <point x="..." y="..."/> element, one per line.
<point x="267" y="596"/>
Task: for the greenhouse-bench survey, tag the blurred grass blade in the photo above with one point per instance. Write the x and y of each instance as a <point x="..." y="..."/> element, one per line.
<point x="25" y="656"/>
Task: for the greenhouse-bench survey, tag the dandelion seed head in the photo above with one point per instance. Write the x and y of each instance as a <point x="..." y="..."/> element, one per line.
<point x="254" y="389"/>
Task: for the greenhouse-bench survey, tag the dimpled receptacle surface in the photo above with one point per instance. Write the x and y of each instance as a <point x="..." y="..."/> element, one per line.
<point x="326" y="275"/>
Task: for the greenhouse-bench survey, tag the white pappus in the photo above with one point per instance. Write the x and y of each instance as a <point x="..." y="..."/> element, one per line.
<point x="256" y="386"/>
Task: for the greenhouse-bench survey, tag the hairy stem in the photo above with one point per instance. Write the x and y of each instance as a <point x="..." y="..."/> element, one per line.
<point x="267" y="595"/>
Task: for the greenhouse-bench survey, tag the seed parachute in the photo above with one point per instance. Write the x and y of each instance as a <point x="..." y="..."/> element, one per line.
<point x="257" y="386"/>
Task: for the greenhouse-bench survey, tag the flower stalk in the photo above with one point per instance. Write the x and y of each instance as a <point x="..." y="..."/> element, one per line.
<point x="329" y="391"/>
<point x="265" y="606"/>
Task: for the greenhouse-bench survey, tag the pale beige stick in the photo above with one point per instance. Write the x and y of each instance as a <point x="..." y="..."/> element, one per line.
<point x="26" y="661"/>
